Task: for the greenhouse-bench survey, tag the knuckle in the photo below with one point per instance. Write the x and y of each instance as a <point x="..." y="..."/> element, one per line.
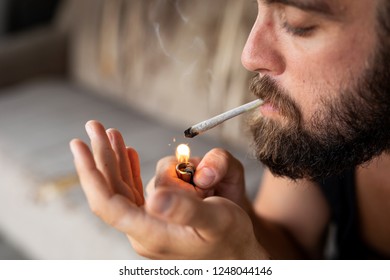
<point x="161" y="180"/>
<point x="164" y="169"/>
<point x="164" y="163"/>
<point x="226" y="160"/>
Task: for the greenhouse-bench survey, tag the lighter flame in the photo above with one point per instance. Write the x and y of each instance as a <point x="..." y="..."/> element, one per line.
<point x="183" y="153"/>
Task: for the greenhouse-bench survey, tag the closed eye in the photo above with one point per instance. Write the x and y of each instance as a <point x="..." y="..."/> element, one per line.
<point x="298" y="31"/>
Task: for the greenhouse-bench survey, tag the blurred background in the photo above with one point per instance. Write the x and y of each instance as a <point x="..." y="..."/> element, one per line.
<point x="21" y="15"/>
<point x="150" y="68"/>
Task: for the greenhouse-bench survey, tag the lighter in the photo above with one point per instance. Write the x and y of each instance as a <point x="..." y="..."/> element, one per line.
<point x="184" y="169"/>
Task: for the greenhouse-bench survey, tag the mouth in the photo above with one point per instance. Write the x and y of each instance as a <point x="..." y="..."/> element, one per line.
<point x="268" y="107"/>
<point x="277" y="103"/>
<point x="270" y="110"/>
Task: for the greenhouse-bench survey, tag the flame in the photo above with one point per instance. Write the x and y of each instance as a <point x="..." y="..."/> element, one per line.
<point x="183" y="153"/>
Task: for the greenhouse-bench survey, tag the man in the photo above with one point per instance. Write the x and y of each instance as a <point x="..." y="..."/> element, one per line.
<point x="321" y="68"/>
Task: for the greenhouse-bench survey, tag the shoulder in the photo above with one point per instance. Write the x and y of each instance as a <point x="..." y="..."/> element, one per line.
<point x="300" y="206"/>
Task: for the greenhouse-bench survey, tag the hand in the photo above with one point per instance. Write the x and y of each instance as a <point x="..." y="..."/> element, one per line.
<point x="217" y="174"/>
<point x="174" y="223"/>
<point x="112" y="171"/>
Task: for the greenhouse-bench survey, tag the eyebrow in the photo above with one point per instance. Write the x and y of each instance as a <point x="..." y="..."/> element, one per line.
<point x="317" y="6"/>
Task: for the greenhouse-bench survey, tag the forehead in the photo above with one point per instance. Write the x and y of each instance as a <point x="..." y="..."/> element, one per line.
<point x="322" y="6"/>
<point x="336" y="9"/>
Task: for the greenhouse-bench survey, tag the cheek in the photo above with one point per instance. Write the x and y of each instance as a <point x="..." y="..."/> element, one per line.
<point x="338" y="66"/>
<point x="308" y="83"/>
<point x="319" y="71"/>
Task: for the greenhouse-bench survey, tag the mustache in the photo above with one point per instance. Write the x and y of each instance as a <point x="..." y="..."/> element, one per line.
<point x="267" y="89"/>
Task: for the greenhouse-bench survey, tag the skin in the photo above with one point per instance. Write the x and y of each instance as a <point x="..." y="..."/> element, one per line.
<point x="322" y="60"/>
<point x="191" y="227"/>
<point x="317" y="65"/>
<point x="217" y="221"/>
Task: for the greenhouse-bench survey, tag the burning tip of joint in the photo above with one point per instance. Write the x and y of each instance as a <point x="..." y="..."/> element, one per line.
<point x="189" y="133"/>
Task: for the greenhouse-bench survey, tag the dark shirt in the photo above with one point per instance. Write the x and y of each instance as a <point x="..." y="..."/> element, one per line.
<point x="340" y="192"/>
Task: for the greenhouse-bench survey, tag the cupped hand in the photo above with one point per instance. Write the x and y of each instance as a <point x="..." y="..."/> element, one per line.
<point x="173" y="223"/>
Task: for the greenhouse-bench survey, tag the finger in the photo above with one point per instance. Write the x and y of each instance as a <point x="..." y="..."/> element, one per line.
<point x="136" y="172"/>
<point x="216" y="166"/>
<point x="166" y="175"/>
<point x="127" y="188"/>
<point x="103" y="153"/>
<point x="165" y="170"/>
<point x="209" y="216"/>
<point x="113" y="209"/>
<point x="118" y="145"/>
<point x="118" y="211"/>
<point x="92" y="181"/>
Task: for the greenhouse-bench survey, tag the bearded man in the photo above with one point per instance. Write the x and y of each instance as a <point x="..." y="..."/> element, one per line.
<point x="321" y="66"/>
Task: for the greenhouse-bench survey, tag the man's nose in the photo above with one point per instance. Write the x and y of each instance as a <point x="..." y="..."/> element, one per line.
<point x="261" y="53"/>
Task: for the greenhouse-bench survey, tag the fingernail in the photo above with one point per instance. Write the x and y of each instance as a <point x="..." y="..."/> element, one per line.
<point x="110" y="135"/>
<point x="89" y="129"/>
<point x="72" y="147"/>
<point x="204" y="177"/>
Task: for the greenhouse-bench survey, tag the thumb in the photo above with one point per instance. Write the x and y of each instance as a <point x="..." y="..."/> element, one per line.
<point x="218" y="166"/>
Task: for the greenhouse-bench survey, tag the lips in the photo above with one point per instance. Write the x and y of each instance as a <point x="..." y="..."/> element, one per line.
<point x="277" y="102"/>
<point x="269" y="109"/>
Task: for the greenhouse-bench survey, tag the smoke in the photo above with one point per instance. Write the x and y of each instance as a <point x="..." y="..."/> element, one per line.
<point x="183" y="17"/>
<point x="160" y="40"/>
<point x="192" y="48"/>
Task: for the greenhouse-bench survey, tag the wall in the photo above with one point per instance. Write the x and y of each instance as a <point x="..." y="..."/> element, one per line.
<point x="177" y="60"/>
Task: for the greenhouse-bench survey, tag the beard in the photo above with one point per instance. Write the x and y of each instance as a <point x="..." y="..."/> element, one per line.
<point x="344" y="133"/>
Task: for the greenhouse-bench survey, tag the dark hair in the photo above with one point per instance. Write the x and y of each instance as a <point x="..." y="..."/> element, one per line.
<point x="384" y="17"/>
